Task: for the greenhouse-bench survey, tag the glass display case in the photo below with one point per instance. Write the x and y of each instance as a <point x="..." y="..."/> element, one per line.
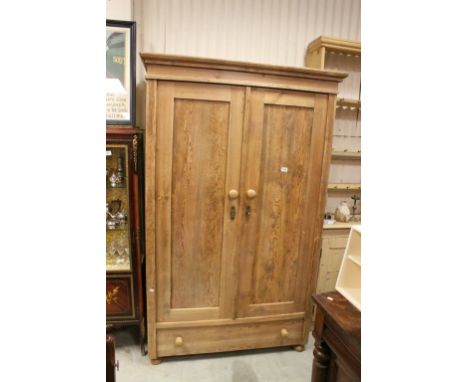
<point x="125" y="260"/>
<point x="118" y="248"/>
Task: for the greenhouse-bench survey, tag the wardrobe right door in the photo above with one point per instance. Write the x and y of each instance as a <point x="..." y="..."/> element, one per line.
<point x="283" y="147"/>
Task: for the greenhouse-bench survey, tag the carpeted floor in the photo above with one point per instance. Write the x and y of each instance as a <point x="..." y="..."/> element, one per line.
<point x="273" y="365"/>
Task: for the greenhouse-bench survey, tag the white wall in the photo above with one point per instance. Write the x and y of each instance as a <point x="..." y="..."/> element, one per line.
<point x="267" y="31"/>
<point x="119" y="10"/>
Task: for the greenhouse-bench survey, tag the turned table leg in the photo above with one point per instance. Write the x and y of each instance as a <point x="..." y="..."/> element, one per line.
<point x="321" y="361"/>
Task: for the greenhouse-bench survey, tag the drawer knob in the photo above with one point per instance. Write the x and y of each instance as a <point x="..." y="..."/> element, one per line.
<point x="284" y="333"/>
<point x="251" y="194"/>
<point x="179" y="341"/>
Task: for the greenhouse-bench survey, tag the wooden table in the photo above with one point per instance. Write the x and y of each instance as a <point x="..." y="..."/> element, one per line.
<point x="337" y="333"/>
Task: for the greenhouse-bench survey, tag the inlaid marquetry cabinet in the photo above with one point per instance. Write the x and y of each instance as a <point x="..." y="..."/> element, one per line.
<point x="125" y="260"/>
<point x="237" y="159"/>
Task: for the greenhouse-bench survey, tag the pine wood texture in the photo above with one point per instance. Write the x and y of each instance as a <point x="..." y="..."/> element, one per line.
<point x="344" y="186"/>
<point x="333" y="247"/>
<point x="279" y="141"/>
<point x="153" y="61"/>
<point x="150" y="215"/>
<point x="211" y="339"/>
<point x="316" y="50"/>
<point x="234" y="202"/>
<point x="197" y="168"/>
<point x="351" y="154"/>
<point x="330" y="53"/>
<point x="204" y="70"/>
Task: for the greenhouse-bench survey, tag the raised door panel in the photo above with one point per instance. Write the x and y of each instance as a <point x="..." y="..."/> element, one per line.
<point x="282" y="162"/>
<point x="119" y="298"/>
<point x="198" y="143"/>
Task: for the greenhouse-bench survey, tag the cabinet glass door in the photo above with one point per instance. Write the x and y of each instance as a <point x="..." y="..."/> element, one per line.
<point x="118" y="248"/>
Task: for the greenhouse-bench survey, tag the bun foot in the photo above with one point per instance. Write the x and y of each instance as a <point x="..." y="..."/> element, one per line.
<point x="298" y="348"/>
<point x="156" y="361"/>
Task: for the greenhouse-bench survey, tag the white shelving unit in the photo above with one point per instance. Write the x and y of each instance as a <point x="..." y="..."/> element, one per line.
<point x="349" y="277"/>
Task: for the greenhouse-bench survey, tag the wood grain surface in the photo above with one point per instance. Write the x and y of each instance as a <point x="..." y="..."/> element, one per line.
<point x="150" y="214"/>
<point x="337" y="333"/>
<point x="152" y="60"/>
<point x="233" y="272"/>
<point x="198" y="166"/>
<point x="232" y="337"/>
<point x="198" y="181"/>
<point x="276" y="163"/>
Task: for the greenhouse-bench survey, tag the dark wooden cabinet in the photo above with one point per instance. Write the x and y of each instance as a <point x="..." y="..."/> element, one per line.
<point x="125" y="260"/>
<point x="337" y="333"/>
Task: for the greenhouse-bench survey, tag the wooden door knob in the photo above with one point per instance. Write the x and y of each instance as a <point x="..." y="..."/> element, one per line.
<point x="179" y="341"/>
<point x="233" y="194"/>
<point x="284" y="333"/>
<point x="251" y="194"/>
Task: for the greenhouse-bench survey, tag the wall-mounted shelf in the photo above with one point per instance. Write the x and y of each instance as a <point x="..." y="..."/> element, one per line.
<point x="347" y="103"/>
<point x="352" y="154"/>
<point x="320" y="46"/>
<point x="331" y="53"/>
<point x="344" y="186"/>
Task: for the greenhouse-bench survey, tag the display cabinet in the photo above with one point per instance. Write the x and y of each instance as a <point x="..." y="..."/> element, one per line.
<point x="124" y="227"/>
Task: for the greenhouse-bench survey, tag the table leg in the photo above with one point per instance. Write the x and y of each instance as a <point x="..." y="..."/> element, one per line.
<point x="321" y="361"/>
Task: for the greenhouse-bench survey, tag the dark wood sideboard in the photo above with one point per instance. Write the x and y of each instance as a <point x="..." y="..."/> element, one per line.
<point x="337" y="333"/>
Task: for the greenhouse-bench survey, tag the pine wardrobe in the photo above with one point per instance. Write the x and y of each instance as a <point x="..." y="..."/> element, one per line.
<point x="237" y="158"/>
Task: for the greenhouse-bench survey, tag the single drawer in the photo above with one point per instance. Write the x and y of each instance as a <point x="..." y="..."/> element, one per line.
<point x="228" y="337"/>
<point x="119" y="297"/>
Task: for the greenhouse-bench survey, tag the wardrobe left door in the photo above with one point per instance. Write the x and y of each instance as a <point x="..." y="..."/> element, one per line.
<point x="197" y="149"/>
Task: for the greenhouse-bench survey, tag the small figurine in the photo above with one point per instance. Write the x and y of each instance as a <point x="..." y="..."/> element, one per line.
<point x="354" y="207"/>
<point x="342" y="212"/>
